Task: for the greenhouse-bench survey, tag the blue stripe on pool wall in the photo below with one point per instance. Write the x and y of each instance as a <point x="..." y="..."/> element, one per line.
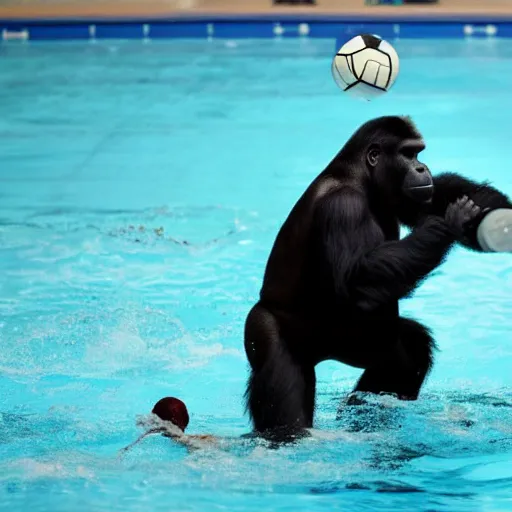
<point x="248" y="28"/>
<point x="503" y="29"/>
<point x="118" y="31"/>
<point x="349" y="30"/>
<point x="52" y="32"/>
<point x="177" y="30"/>
<point x="430" y="30"/>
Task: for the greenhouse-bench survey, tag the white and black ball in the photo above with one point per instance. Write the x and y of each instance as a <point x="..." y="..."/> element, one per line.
<point x="366" y="66"/>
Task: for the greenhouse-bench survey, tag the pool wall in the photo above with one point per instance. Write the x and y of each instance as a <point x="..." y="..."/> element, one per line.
<point x="255" y="26"/>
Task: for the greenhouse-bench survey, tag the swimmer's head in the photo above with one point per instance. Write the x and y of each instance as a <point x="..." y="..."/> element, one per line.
<point x="173" y="410"/>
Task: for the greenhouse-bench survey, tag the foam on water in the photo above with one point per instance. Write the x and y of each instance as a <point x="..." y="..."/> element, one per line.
<point x="142" y="186"/>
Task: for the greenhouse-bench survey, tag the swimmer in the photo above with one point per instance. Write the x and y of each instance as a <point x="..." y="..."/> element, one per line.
<point x="170" y="418"/>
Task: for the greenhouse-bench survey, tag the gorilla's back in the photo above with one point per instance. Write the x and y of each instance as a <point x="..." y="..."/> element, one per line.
<point x="285" y="272"/>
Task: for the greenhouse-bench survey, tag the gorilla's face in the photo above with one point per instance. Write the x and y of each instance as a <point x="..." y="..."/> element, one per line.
<point x="397" y="171"/>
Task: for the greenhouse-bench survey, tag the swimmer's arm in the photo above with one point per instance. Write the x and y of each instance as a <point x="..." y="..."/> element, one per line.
<point x="189" y="441"/>
<point x="205" y="437"/>
<point x="141" y="437"/>
<point x="196" y="442"/>
<point x="448" y="187"/>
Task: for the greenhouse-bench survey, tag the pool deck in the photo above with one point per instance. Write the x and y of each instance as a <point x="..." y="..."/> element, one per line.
<point x="137" y="9"/>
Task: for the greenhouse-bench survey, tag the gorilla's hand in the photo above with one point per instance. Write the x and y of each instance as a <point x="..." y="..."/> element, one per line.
<point x="459" y="214"/>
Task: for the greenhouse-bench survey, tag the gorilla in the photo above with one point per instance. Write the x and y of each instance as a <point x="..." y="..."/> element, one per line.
<point x="338" y="268"/>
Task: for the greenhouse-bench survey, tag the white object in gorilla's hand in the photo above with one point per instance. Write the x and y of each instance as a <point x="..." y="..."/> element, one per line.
<point x="494" y="233"/>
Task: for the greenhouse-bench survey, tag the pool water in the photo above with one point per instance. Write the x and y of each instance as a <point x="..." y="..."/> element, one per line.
<point x="141" y="188"/>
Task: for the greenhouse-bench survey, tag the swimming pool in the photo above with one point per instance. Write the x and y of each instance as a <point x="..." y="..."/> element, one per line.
<point x="115" y="153"/>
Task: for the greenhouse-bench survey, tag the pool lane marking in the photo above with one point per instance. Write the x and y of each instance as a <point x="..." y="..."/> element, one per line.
<point x="11" y="35"/>
<point x="488" y="30"/>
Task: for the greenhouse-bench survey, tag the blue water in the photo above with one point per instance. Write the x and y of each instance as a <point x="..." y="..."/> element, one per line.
<point x="102" y="312"/>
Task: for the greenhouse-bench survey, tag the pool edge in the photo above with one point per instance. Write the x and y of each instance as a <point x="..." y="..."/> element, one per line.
<point x="261" y="25"/>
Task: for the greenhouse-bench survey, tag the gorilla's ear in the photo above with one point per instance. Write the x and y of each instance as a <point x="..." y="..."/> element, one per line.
<point x="373" y="154"/>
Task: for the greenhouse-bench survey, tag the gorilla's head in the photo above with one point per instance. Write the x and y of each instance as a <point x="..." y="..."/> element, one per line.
<point x="388" y="148"/>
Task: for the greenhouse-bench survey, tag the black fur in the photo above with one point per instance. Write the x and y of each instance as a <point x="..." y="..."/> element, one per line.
<point x="450" y="186"/>
<point x="338" y="269"/>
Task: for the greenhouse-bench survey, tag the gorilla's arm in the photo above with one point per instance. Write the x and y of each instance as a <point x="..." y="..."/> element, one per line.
<point x="365" y="269"/>
<point x="449" y="187"/>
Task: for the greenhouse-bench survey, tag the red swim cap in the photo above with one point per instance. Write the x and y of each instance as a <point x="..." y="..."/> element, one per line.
<point x="173" y="410"/>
